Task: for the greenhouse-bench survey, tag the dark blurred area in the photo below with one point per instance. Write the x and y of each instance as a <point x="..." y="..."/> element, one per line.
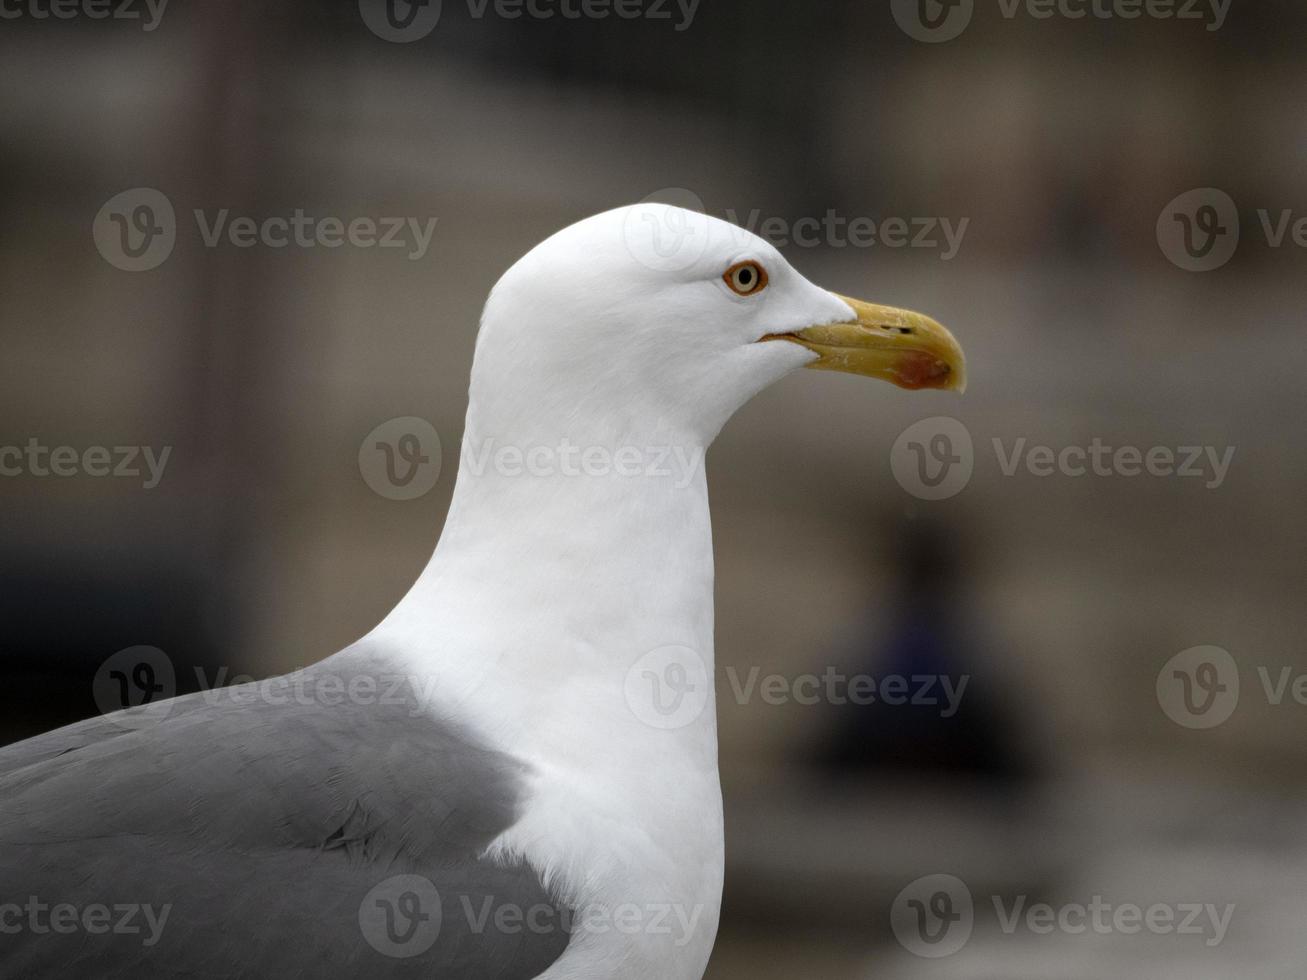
<point x="1054" y="148"/>
<point x="923" y="632"/>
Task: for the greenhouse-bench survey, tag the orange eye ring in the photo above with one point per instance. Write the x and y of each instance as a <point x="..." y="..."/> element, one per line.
<point x="746" y="278"/>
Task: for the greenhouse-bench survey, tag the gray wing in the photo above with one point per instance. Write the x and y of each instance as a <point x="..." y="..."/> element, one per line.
<point x="299" y="830"/>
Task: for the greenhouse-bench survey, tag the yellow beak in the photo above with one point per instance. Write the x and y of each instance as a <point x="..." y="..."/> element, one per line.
<point x="905" y="348"/>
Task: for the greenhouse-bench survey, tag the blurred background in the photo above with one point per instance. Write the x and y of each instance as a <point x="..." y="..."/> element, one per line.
<point x="1076" y="764"/>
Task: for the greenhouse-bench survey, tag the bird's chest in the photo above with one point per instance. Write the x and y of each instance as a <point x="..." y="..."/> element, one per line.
<point x="636" y="852"/>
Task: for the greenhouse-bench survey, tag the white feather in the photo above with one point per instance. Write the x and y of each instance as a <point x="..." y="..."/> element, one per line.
<point x="547" y="587"/>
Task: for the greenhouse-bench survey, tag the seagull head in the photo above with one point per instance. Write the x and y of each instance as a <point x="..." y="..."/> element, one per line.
<point x="653" y="317"/>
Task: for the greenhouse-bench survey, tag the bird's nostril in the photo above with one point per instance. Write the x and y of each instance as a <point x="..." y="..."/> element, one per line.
<point x="905" y="330"/>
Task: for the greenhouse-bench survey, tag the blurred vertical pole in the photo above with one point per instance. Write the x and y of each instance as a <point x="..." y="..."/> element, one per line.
<point x="235" y="365"/>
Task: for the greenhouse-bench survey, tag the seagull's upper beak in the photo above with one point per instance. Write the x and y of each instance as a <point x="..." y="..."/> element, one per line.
<point x="906" y="348"/>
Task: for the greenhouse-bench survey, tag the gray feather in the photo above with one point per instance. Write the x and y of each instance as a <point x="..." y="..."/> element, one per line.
<point x="263" y="827"/>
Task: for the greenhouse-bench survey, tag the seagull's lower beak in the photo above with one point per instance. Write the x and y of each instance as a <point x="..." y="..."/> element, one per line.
<point x="906" y="348"/>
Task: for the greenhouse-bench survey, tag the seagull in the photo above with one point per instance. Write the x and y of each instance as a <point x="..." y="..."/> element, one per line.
<point x="515" y="773"/>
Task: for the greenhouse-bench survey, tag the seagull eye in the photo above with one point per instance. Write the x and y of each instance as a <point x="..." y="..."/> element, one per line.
<point x="746" y="278"/>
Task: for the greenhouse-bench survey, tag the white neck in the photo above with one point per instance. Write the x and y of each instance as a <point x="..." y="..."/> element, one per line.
<point x="542" y="594"/>
<point x="559" y="574"/>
